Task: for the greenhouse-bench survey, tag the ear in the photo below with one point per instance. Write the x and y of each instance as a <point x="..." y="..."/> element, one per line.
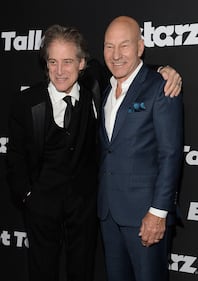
<point x="140" y="47"/>
<point x="82" y="64"/>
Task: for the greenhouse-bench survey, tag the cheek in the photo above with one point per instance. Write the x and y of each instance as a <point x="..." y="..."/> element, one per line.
<point x="74" y="73"/>
<point x="50" y="73"/>
<point x="107" y="59"/>
<point x="107" y="54"/>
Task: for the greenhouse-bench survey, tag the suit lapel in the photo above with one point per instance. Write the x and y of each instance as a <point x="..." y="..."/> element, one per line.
<point x="96" y="96"/>
<point x="131" y="96"/>
<point x="86" y="103"/>
<point x="38" y="115"/>
<point x="102" y="119"/>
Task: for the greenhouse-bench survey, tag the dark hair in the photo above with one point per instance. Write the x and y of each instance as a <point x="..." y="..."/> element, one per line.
<point x="67" y="34"/>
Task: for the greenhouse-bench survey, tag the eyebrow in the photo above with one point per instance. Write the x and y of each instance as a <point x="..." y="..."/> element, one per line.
<point x="123" y="42"/>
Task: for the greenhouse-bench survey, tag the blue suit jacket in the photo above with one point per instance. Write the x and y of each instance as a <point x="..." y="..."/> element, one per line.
<point x="140" y="166"/>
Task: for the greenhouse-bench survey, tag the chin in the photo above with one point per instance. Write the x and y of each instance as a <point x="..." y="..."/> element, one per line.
<point x="60" y="88"/>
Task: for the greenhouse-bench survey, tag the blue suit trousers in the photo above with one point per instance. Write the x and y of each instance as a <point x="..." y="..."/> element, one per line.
<point x="127" y="259"/>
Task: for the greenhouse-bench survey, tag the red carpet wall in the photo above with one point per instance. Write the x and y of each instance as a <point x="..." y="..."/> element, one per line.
<point x="170" y="29"/>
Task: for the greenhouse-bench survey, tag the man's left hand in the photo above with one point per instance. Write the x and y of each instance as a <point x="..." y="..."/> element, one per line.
<point x="152" y="229"/>
<point x="173" y="81"/>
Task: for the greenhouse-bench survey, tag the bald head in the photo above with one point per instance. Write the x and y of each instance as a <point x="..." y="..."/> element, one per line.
<point x="123" y="47"/>
<point x="127" y="23"/>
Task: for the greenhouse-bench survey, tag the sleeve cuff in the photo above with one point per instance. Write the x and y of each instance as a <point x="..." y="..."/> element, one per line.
<point x="158" y="212"/>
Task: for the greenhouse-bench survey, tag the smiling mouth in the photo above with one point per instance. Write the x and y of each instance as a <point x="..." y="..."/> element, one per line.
<point x="118" y="63"/>
<point x="61" y="79"/>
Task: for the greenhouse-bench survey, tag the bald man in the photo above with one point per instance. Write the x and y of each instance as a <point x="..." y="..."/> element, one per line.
<point x="141" y="153"/>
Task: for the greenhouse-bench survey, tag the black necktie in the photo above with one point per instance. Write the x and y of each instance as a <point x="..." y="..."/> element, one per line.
<point x="68" y="111"/>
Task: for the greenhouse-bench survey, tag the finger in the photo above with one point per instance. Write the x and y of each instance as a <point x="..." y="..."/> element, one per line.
<point x="151" y="239"/>
<point x="173" y="90"/>
<point x="141" y="230"/>
<point x="169" y="86"/>
<point x="156" y="241"/>
<point x="176" y="91"/>
<point x="173" y="85"/>
<point x="145" y="243"/>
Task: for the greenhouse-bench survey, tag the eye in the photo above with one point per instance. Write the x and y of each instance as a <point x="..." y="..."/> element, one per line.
<point x="124" y="45"/>
<point x="108" y="46"/>
<point x="51" y="62"/>
<point x="68" y="61"/>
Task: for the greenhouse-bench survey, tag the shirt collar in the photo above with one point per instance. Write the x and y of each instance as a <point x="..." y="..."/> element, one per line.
<point x="56" y="96"/>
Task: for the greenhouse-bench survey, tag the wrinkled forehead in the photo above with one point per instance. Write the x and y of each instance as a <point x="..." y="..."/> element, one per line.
<point x="121" y="31"/>
<point x="62" y="42"/>
<point x="62" y="45"/>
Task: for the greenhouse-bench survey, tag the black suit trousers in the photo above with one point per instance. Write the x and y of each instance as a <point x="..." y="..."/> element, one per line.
<point x="74" y="225"/>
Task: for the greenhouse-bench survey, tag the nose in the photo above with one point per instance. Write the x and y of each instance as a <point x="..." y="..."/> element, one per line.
<point x="116" y="53"/>
<point x="59" y="68"/>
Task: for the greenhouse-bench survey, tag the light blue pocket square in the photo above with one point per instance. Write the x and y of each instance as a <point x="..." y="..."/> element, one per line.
<point x="137" y="106"/>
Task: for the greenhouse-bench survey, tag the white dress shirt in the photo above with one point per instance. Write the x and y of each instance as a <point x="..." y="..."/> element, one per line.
<point x="58" y="104"/>
<point x="111" y="107"/>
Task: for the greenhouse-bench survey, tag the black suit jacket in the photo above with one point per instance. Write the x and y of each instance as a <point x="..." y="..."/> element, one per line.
<point x="27" y="124"/>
